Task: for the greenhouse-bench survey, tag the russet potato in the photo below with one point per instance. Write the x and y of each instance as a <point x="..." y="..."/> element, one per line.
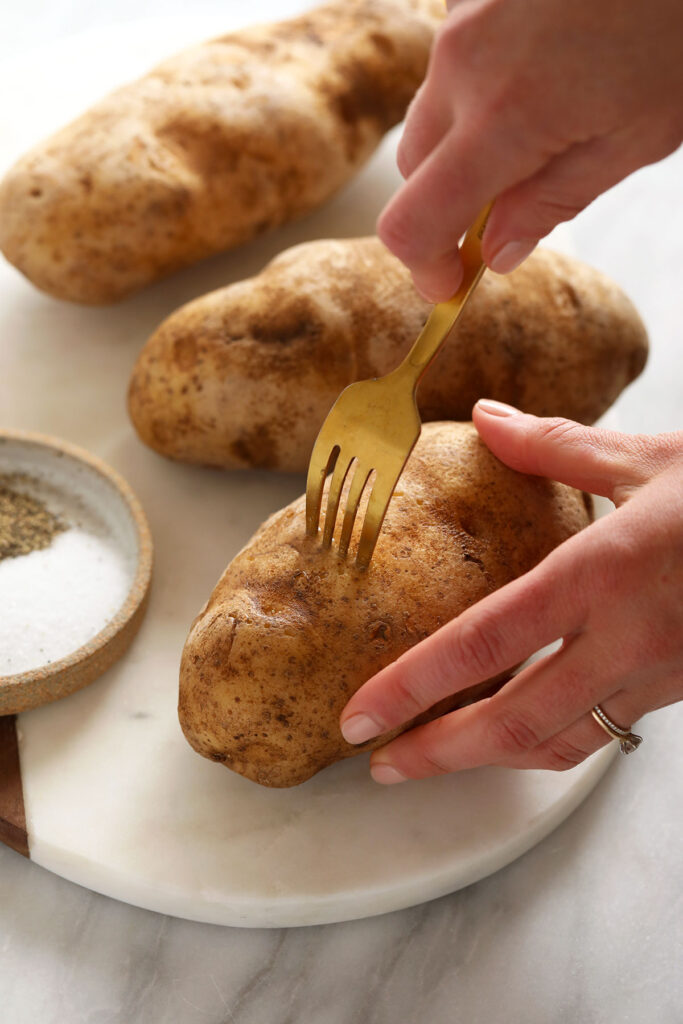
<point x="245" y="375"/>
<point x="212" y="147"/>
<point x="291" y="632"/>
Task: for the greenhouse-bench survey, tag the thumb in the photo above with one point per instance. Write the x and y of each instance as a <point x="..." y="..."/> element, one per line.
<point x="590" y="458"/>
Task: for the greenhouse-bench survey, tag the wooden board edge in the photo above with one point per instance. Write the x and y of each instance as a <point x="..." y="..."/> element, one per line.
<point x="13" y="831"/>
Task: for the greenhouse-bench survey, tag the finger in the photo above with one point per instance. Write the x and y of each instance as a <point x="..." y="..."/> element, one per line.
<point x="432" y="111"/>
<point x="509" y="729"/>
<point x="542" y="700"/>
<point x="425" y="219"/>
<point x="593" y="459"/>
<point x="441" y="279"/>
<point x="567" y="749"/>
<point x="556" y="192"/>
<point x="572" y="745"/>
<point x="487" y="639"/>
<point x="427" y="121"/>
<point x="625" y="708"/>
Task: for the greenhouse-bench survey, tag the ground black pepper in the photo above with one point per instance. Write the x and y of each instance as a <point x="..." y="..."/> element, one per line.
<point x="25" y="523"/>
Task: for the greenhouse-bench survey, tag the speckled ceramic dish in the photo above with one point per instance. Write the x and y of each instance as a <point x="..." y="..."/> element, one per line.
<point x="69" y="610"/>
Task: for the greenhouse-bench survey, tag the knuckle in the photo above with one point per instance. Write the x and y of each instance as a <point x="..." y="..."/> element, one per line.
<point x="396" y="230"/>
<point x="551" y="433"/>
<point x="458" y="39"/>
<point x="474" y="647"/>
<point x="513" y="735"/>
<point x="556" y="428"/>
<point x="543" y="433"/>
<point x="404" y="702"/>
<point x="552" y="208"/>
<point x="559" y="755"/>
<point x="430" y="748"/>
<point x="429" y="764"/>
<point x="450" y="41"/>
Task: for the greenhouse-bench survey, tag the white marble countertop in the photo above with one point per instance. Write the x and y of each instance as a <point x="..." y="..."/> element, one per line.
<point x="586" y="927"/>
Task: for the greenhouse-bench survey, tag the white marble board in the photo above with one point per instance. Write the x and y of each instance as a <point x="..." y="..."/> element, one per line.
<point x="115" y="798"/>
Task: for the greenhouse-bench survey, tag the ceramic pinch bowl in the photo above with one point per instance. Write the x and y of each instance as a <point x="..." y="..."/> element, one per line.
<point x="70" y="609"/>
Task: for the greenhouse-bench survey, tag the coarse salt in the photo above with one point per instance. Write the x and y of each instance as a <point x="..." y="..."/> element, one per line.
<point x="54" y="600"/>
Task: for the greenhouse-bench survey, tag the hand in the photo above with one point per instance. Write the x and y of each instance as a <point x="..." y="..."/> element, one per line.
<point x="613" y="593"/>
<point x="544" y="104"/>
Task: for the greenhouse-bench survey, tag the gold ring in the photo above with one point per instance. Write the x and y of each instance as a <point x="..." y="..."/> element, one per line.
<point x="628" y="741"/>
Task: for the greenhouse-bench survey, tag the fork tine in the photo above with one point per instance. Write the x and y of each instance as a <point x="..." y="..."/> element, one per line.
<point x="374" y="517"/>
<point x="320" y="465"/>
<point x="341" y="470"/>
<point x="360" y="479"/>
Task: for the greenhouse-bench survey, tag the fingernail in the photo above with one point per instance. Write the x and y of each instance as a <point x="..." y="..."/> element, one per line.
<point x="494" y="408"/>
<point x="359" y="728"/>
<point x="510" y="256"/>
<point x="386" y="774"/>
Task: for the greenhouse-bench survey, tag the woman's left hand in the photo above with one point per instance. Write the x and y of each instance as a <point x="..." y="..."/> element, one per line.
<point x="613" y="593"/>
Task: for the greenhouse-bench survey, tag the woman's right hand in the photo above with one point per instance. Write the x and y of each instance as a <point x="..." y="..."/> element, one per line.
<point x="543" y="104"/>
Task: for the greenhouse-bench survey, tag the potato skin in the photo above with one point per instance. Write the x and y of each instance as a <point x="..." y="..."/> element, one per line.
<point x="212" y="147"/>
<point x="291" y="632"/>
<point x="245" y="375"/>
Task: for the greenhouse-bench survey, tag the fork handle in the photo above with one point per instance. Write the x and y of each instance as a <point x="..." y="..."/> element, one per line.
<point x="444" y="314"/>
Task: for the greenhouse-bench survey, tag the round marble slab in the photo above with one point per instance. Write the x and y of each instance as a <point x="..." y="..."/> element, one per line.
<point x="71" y="607"/>
<point x="102" y="788"/>
<point x="118" y="802"/>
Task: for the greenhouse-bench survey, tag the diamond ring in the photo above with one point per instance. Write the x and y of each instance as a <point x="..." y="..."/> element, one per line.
<point x="628" y="741"/>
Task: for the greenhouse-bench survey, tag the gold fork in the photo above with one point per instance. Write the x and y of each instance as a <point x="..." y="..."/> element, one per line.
<point x="375" y="423"/>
